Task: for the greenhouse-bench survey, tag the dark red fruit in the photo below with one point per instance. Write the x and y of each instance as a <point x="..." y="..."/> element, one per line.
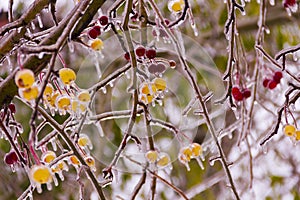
<point x="266" y="82"/>
<point x="246" y="93"/>
<point x="12" y="108"/>
<point x="127" y="56"/>
<point x="94" y="32"/>
<point x="172" y="63"/>
<point x="237" y="94"/>
<point x="103" y="20"/>
<point x="140" y="51"/>
<point x="277" y="76"/>
<point x="272" y="84"/>
<point x="289" y="3"/>
<point x="11" y="158"/>
<point x="151" y="53"/>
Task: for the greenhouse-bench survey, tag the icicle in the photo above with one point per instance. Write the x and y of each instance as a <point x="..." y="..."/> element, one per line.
<point x="100" y="130"/>
<point x="111" y="84"/>
<point x="53" y="143"/>
<point x="32" y="25"/>
<point x="41" y="55"/>
<point x="97" y="65"/>
<point x="10" y="66"/>
<point x="29" y="32"/>
<point x="200" y="163"/>
<point x="103" y="89"/>
<point x="40" y="21"/>
<point x="39" y="188"/>
<point x="71" y="46"/>
<point x="49" y="186"/>
<point x="295" y="56"/>
<point x="19" y="29"/>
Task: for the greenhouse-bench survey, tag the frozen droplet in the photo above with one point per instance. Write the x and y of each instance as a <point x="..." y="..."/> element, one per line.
<point x="49" y="186"/>
<point x="103" y="89"/>
<point x="19" y="29"/>
<point x="212" y="162"/>
<point x="295" y="56"/>
<point x="194" y="27"/>
<point x="272" y="2"/>
<point x="229" y="135"/>
<point x="39" y="188"/>
<point x="29" y="32"/>
<point x="200" y="163"/>
<point x="13" y="168"/>
<point x="41" y="55"/>
<point x="267" y="30"/>
<point x="40" y="21"/>
<point x="264" y="149"/>
<point x="55" y="180"/>
<point x="32" y="25"/>
<point x="111" y="84"/>
<point x="99" y="128"/>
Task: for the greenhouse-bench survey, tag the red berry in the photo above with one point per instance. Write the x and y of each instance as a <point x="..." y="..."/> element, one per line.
<point x="266" y="82"/>
<point x="127" y="56"/>
<point x="246" y="93"/>
<point x="236" y="93"/>
<point x="151" y="53"/>
<point x="103" y="20"/>
<point x="140" y="51"/>
<point x="277" y="76"/>
<point x="12" y="108"/>
<point x="94" y="32"/>
<point x="172" y="63"/>
<point x="11" y="158"/>
<point x="289" y="3"/>
<point x="272" y="84"/>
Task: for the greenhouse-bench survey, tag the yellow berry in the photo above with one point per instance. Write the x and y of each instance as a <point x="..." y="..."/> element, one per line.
<point x="151" y="156"/>
<point x="48" y="91"/>
<point x="297" y="134"/>
<point x="48" y="156"/>
<point x="90" y="161"/>
<point x="63" y="102"/>
<point x="163" y="160"/>
<point x="74" y="160"/>
<point x="196" y="150"/>
<point x="147" y="98"/>
<point x="52" y="99"/>
<point x="30" y="93"/>
<point x="160" y="84"/>
<point x="60" y="166"/>
<point x="24" y="78"/>
<point x="147" y="88"/>
<point x="41" y="174"/>
<point x="176" y="5"/>
<point x="97" y="44"/>
<point x="187" y="153"/>
<point x="67" y="75"/>
<point x="84" y="140"/>
<point x="289" y="130"/>
<point x="84" y="96"/>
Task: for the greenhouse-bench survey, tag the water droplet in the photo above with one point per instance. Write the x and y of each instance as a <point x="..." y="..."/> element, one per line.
<point x="103" y="89"/>
<point x="40" y="21"/>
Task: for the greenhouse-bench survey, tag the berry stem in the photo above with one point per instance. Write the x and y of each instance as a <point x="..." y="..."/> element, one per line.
<point x="62" y="60"/>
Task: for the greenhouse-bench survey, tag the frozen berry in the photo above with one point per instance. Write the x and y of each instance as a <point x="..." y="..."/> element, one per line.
<point x="11" y="158"/>
<point x="172" y="64"/>
<point x="97" y="44"/>
<point x="140" y="51"/>
<point x="24" y="78"/>
<point x="160" y="84"/>
<point x="67" y="75"/>
<point x="289" y="130"/>
<point x="196" y="150"/>
<point x="12" y="108"/>
<point x="246" y="93"/>
<point x="266" y="82"/>
<point x="277" y="76"/>
<point x="289" y="3"/>
<point x="151" y="156"/>
<point x="127" y="56"/>
<point x="94" y="32"/>
<point x="272" y="84"/>
<point x="164" y="160"/>
<point x="103" y="20"/>
<point x="41" y="174"/>
<point x="151" y="53"/>
<point x="237" y="94"/>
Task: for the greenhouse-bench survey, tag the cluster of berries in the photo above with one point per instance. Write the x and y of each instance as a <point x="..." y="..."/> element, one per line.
<point x="141" y="53"/>
<point x="44" y="172"/>
<point x="240" y="94"/>
<point x="189" y="152"/>
<point x="159" y="159"/>
<point x="152" y="90"/>
<point x="65" y="97"/>
<point x="291" y="131"/>
<point x="96" y="43"/>
<point x="271" y="83"/>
